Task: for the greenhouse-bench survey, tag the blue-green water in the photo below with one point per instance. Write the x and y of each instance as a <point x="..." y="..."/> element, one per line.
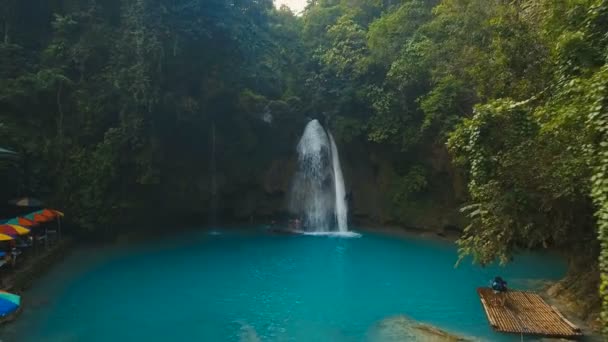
<point x="235" y="286"/>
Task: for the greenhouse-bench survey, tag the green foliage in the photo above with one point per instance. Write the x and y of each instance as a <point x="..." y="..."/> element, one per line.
<point x="109" y="108"/>
<point x="348" y="129"/>
<point x="414" y="181"/>
<point x="598" y="120"/>
<point x="115" y="110"/>
<point x="252" y="103"/>
<point x="445" y="98"/>
<point x="508" y="84"/>
<point x="493" y="144"/>
<point x="389" y="35"/>
<point x="531" y="163"/>
<point x="347" y="51"/>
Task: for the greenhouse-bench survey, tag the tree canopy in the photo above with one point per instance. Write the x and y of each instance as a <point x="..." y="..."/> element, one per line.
<point x="114" y="106"/>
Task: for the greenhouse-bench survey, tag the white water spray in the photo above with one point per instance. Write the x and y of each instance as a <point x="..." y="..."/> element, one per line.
<point x="318" y="194"/>
<point x="341" y="205"/>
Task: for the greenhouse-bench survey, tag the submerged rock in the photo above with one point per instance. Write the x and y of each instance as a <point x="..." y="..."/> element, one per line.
<point x="248" y="334"/>
<point x="401" y="328"/>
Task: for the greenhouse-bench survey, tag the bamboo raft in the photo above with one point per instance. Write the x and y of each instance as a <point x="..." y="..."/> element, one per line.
<point x="525" y="313"/>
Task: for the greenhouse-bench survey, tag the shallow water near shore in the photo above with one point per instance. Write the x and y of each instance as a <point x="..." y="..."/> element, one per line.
<point x="248" y="285"/>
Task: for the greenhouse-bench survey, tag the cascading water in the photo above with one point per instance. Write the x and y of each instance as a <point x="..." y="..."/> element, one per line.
<point x="341" y="206"/>
<point x="310" y="198"/>
<point x="317" y="194"/>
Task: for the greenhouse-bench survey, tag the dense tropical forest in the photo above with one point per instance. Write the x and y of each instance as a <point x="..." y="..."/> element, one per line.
<point x="490" y="116"/>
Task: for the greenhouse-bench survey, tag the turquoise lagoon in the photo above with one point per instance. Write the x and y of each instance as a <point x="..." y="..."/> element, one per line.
<point x="248" y="285"/>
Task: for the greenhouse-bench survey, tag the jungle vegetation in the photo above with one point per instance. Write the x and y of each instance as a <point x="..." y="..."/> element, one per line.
<point x="113" y="104"/>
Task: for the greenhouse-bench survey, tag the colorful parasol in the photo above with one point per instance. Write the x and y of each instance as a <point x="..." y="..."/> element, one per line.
<point x="13" y="230"/>
<point x="4" y="237"/>
<point x="44" y="215"/>
<point x="9" y="303"/>
<point x="23" y="222"/>
<point x="49" y="213"/>
<point x="41" y="218"/>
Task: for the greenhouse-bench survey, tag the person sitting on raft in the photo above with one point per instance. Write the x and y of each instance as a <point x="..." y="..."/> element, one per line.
<point x="499" y="286"/>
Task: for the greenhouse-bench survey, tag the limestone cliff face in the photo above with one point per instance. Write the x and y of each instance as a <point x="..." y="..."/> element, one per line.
<point x="254" y="175"/>
<point x="254" y="165"/>
<point x="263" y="196"/>
<point x="371" y="175"/>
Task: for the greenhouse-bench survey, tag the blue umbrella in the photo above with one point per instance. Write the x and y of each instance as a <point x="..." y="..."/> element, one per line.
<point x="9" y="303"/>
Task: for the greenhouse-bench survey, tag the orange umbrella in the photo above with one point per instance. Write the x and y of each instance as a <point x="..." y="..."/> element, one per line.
<point x="27" y="223"/>
<point x="44" y="215"/>
<point x="39" y="218"/>
<point x="49" y="213"/>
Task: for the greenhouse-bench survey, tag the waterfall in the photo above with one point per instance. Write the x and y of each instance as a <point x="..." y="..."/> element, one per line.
<point x="317" y="195"/>
<point x="341" y="205"/>
<point x="310" y="198"/>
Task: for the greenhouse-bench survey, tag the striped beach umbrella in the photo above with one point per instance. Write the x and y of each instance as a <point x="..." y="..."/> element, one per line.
<point x="5" y="237"/>
<point x="50" y="213"/>
<point x="44" y="215"/>
<point x="13" y="230"/>
<point x="39" y="218"/>
<point x="23" y="222"/>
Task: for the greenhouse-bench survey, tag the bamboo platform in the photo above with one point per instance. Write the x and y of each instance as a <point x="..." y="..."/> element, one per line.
<point x="525" y="313"/>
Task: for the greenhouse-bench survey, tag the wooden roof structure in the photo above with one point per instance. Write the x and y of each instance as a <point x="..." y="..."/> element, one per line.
<point x="525" y="313"/>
